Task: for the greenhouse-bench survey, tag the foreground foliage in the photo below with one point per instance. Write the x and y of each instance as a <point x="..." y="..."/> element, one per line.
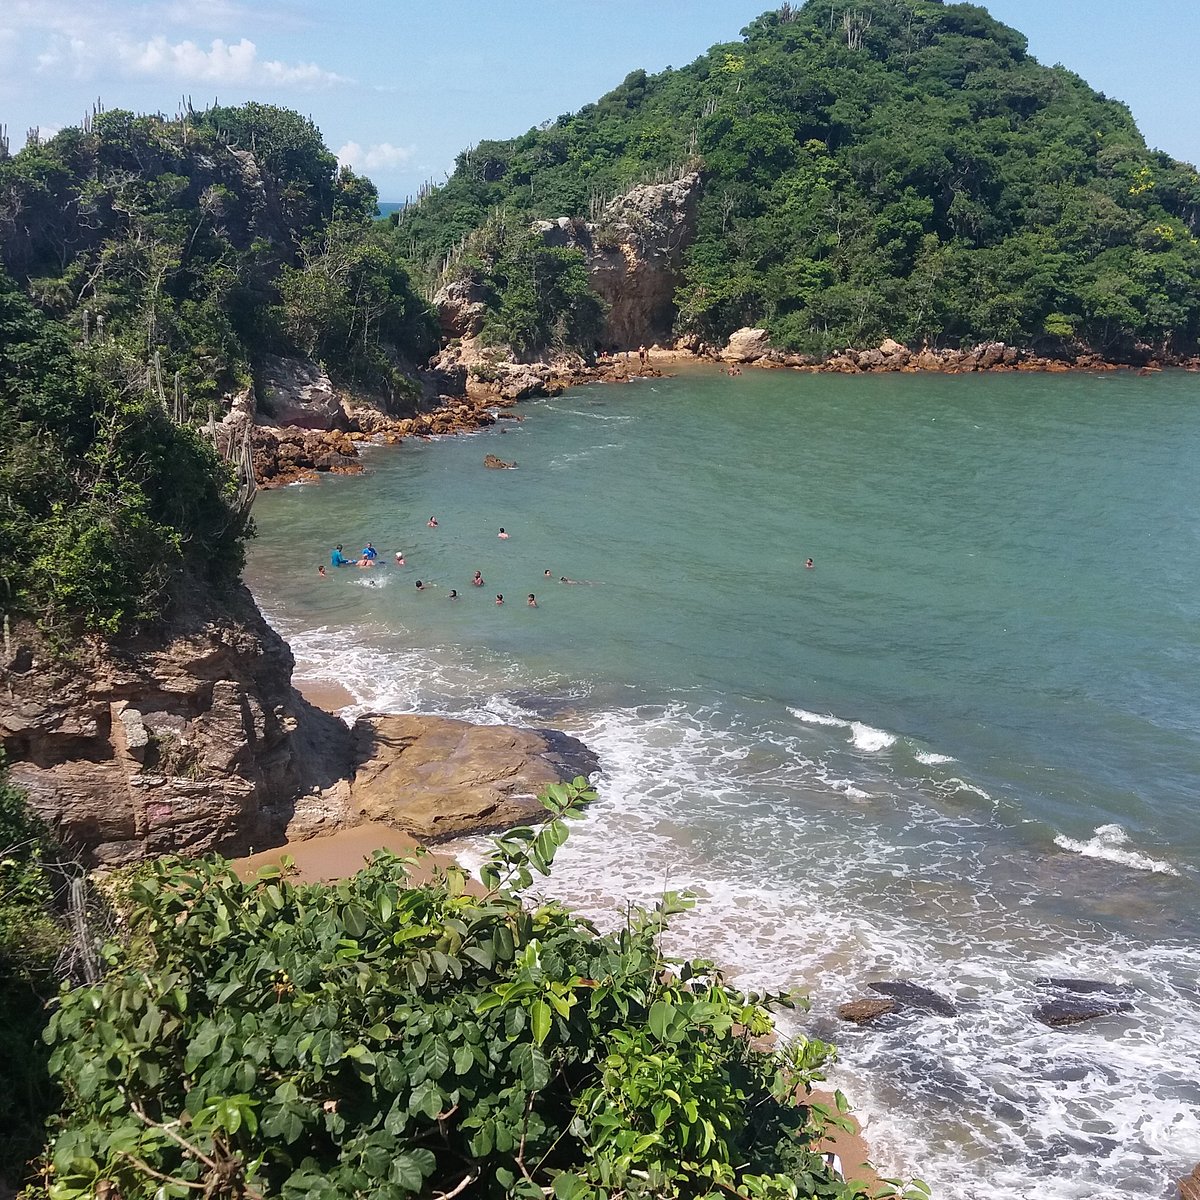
<point x="32" y="935"/>
<point x="873" y="168"/>
<point x="375" y="1039"/>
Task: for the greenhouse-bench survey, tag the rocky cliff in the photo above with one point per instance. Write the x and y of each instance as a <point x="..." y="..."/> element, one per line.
<point x="194" y="740"/>
<point x="634" y="254"/>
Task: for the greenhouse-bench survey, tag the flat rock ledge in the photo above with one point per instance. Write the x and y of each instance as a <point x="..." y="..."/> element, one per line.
<point x="436" y="777"/>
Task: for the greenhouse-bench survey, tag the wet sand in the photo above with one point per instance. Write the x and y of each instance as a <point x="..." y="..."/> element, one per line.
<point x="329" y="696"/>
<point x="342" y="854"/>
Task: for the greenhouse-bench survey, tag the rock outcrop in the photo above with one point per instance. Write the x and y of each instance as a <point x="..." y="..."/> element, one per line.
<point x="746" y="345"/>
<point x="634" y="257"/>
<point x="461" y="306"/>
<point x="195" y="741"/>
<point x="865" y="1011"/>
<point x="189" y="741"/>
<point x="299" y="392"/>
<point x="914" y="995"/>
<point x="1072" y="1011"/>
<point x="435" y="777"/>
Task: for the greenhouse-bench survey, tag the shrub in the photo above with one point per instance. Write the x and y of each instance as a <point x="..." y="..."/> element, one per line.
<point x="384" y="1039"/>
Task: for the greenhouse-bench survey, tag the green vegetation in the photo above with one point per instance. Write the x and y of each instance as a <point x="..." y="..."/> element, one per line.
<point x="106" y="500"/>
<point x="376" y="1039"/>
<point x="871" y="168"/>
<point x="146" y="266"/>
<point x="32" y="936"/>
<point x="191" y="238"/>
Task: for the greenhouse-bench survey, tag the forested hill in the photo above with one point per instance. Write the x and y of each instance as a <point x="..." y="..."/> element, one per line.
<point x="146" y="267"/>
<point x="209" y="239"/>
<point x="873" y="168"/>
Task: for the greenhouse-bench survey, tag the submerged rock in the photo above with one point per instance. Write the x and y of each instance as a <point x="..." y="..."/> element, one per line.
<point x="915" y="996"/>
<point x="1085" y="987"/>
<point x="865" y="1010"/>
<point x="1071" y="1011"/>
<point x="497" y="464"/>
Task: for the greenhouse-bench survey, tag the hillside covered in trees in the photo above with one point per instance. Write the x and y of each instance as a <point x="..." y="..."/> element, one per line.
<point x="871" y="168"/>
<point x="209" y="239"/>
<point x="147" y="267"/>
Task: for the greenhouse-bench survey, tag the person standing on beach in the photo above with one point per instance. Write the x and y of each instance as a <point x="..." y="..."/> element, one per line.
<point x="642" y="355"/>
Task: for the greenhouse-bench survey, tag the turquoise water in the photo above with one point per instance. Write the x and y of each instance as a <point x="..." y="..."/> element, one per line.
<point x="963" y="748"/>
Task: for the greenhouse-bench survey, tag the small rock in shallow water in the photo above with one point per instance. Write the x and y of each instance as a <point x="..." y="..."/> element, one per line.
<point x="1056" y="1013"/>
<point x="1085" y="987"/>
<point x="915" y="996"/>
<point x="864" y="1011"/>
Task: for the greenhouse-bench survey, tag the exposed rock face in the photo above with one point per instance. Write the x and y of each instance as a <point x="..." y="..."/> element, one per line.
<point x="1084" y="987"/>
<point x="182" y="742"/>
<point x="746" y="345"/>
<point x="497" y="464"/>
<point x="913" y="995"/>
<point x="461" y="306"/>
<point x="864" y="1011"/>
<point x="1189" y="1188"/>
<point x="1072" y="1010"/>
<point x="296" y="391"/>
<point x="435" y="777"/>
<point x="634" y="257"/>
<point x="196" y="741"/>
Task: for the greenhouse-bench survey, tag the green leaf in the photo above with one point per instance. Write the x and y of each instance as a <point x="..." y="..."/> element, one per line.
<point x="426" y="1098"/>
<point x="532" y="1065"/>
<point x="540" y="1021"/>
<point x="661" y="1015"/>
<point x="406" y="1172"/>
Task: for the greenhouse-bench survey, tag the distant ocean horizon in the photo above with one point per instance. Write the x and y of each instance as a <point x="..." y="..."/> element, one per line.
<point x="962" y="749"/>
<point x="386" y="207"/>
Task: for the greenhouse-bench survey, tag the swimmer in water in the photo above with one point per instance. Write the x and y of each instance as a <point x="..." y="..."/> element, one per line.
<point x="502" y="534"/>
<point x="420" y="586"/>
<point x="369" y="551"/>
<point x="321" y="571"/>
<point x="338" y="559"/>
<point x="499" y="598"/>
<point x="363" y="563"/>
<point x="547" y="574"/>
<point x="809" y="563"/>
<point x="531" y="601"/>
<point x="400" y="558"/>
<point x="564" y="579"/>
<point x="432" y="522"/>
<point x="478" y="580"/>
<point x="453" y="595"/>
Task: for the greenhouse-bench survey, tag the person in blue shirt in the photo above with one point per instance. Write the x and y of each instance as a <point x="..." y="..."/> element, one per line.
<point x="369" y="551"/>
<point x="338" y="559"/>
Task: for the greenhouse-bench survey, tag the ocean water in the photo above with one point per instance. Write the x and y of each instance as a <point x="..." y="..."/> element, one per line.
<point x="963" y="748"/>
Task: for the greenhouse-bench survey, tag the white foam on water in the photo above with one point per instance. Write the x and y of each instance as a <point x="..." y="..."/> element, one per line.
<point x="1109" y="842"/>
<point x="812" y="718"/>
<point x="872" y="740"/>
<point x="798" y="888"/>
<point x="929" y="759"/>
<point x="862" y="736"/>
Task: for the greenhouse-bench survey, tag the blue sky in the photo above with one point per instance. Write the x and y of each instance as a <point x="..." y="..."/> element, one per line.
<point x="398" y="87"/>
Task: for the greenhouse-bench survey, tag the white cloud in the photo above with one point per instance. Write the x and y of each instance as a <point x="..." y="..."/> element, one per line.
<point x="375" y="156"/>
<point x="222" y="62"/>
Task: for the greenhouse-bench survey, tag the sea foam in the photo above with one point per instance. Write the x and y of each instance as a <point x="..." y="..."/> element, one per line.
<point x="1109" y="842"/>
